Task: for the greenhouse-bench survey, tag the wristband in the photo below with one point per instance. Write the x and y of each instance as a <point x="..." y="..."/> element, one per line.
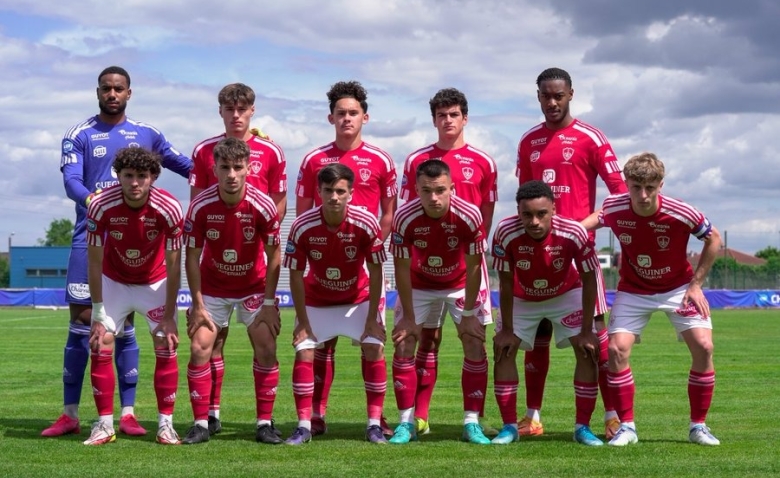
<point x="467" y="313"/>
<point x="269" y="302"/>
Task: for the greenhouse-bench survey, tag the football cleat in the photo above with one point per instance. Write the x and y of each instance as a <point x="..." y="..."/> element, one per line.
<point x="528" y="427"/>
<point x="299" y="437"/>
<point x="166" y="435"/>
<point x="624" y="436"/>
<point x="404" y="433"/>
<point x="63" y="426"/>
<point x="472" y="433"/>
<point x="374" y="434"/>
<point x="422" y="426"/>
<point x="101" y="434"/>
<point x="215" y="426"/>
<point x="266" y="434"/>
<point x="318" y="426"/>
<point x="386" y="430"/>
<point x="507" y="435"/>
<point x="700" y="434"/>
<point x="129" y="425"/>
<point x="585" y="436"/>
<point x="196" y="434"/>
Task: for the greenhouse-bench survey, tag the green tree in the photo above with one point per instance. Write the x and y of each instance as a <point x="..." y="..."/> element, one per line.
<point x="5" y="273"/>
<point x="59" y="233"/>
<point x="768" y="253"/>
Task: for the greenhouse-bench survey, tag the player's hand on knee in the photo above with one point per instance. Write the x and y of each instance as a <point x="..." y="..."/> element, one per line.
<point x="268" y="315"/>
<point x="374" y="329"/>
<point x="505" y="344"/>
<point x="301" y="334"/>
<point x="169" y="332"/>
<point x="96" y="334"/>
<point x="198" y="318"/>
<point x="587" y="345"/>
<point x="471" y="326"/>
<point x="406" y="328"/>
<point x="695" y="296"/>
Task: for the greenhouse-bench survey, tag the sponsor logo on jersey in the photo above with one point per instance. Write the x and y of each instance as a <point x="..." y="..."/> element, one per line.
<point x="523" y="264"/>
<point x="558" y="263"/>
<point x="156" y="315"/>
<point x="663" y="241"/>
<point x="644" y="260"/>
<point x="625" y="239"/>
<point x="332" y="159"/>
<point x="212" y="234"/>
<point x="351" y="251"/>
<point x="566" y="139"/>
<point x="91" y="225"/>
<point x="79" y="291"/>
<point x="151" y="235"/>
<point x="468" y="173"/>
<point x="626" y="224"/>
<point x="128" y="134"/>
<point x="609" y="154"/>
<point x="249" y="233"/>
<point x="498" y="251"/>
<point x="118" y="220"/>
<point x="333" y="273"/>
<point x="346" y="236"/>
<point x="525" y="250"/>
<point x="229" y="256"/>
<point x="540" y="284"/>
<point x="422" y="230"/>
<point x="132" y="253"/>
<point x="318" y="240"/>
<point x="568" y="153"/>
<point x="252" y="303"/>
<point x="689" y="310"/>
<point x="316" y="255"/>
<point x="421" y="244"/>
<point x="365" y="174"/>
<point x="435" y="261"/>
<point x="548" y="176"/>
<point x="99" y="136"/>
<point x="539" y="141"/>
<point x="462" y="159"/>
<point x="658" y="227"/>
<point x="116" y="235"/>
<point x="133" y="144"/>
<point x="215" y="218"/>
<point x="535" y="156"/>
<point x="149" y="221"/>
<point x="67" y="146"/>
<point x="573" y="320"/>
<point x="255" y="167"/>
<point x="290" y="248"/>
<point x="448" y="228"/>
<point x="452" y="241"/>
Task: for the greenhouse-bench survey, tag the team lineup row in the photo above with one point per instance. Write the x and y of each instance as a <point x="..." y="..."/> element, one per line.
<point x="126" y="256"/>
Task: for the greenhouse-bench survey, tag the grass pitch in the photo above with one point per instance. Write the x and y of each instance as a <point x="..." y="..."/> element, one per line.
<point x="744" y="415"/>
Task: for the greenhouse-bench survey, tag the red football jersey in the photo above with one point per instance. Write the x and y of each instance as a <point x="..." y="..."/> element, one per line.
<point x="375" y="176"/>
<point x="543" y="269"/>
<point x="654" y="249"/>
<point x="336" y="258"/>
<point x="473" y="173"/>
<point x="437" y="247"/>
<point x="569" y="160"/>
<point x="233" y="239"/>
<point x="267" y="166"/>
<point x="134" y="241"/>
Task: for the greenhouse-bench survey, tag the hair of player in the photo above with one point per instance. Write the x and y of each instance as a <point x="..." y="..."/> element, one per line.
<point x="533" y="190"/>
<point x="433" y="168"/>
<point x="138" y="159"/>
<point x="553" y="74"/>
<point x="236" y="93"/>
<point x="115" y="70"/>
<point x="231" y="150"/>
<point x="347" y="89"/>
<point x="447" y="97"/>
<point x="644" y="168"/>
<point x="335" y="172"/>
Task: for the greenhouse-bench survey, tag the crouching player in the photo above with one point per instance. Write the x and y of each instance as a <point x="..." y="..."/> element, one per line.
<point x="655" y="276"/>
<point x="231" y="224"/>
<point x="134" y="253"/>
<point x="337" y="297"/>
<point x="547" y="269"/>
<point x="437" y="245"/>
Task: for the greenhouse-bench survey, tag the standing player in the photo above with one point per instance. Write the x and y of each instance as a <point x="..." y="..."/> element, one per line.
<point x="134" y="236"/>
<point x="266" y="171"/>
<point x="547" y="267"/>
<point x="232" y="223"/>
<point x="475" y="179"/>
<point x="339" y="242"/>
<point x="374" y="190"/>
<point x="655" y="276"/>
<point x="88" y="151"/>
<point x="569" y="155"/>
<point x="438" y="244"/>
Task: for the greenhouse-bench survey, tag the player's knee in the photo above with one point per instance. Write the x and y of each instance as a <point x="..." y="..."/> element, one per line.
<point x="430" y="339"/>
<point x="329" y="346"/>
<point x="265" y="354"/>
<point x="373" y="352"/>
<point x="473" y="348"/>
<point x="406" y="347"/>
<point x="304" y="355"/>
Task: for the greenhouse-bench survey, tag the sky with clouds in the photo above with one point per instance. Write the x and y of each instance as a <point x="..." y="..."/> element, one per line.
<point x="695" y="81"/>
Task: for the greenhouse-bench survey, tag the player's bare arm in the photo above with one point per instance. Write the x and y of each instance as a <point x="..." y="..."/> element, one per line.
<point x="375" y="285"/>
<point x="302" y="327"/>
<point x="486" y="209"/>
<point x="406" y="327"/>
<point x="269" y="314"/>
<point x="387" y="205"/>
<point x="97" y="334"/>
<point x="709" y="252"/>
<point x="469" y="324"/>
<point x="167" y="327"/>
<point x="198" y="316"/>
<point x="280" y="199"/>
<point x="505" y="342"/>
<point x="586" y="343"/>
<point x="194" y="191"/>
<point x="591" y="223"/>
<point x="303" y="204"/>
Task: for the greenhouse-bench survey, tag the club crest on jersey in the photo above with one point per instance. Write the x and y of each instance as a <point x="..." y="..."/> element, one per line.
<point x="540" y="284"/>
<point x="568" y="153"/>
<point x="468" y="173"/>
<point x="316" y="255"/>
<point x="644" y="260"/>
<point x="663" y="242"/>
<point x="365" y="174"/>
<point x="435" y="261"/>
<point x="151" y="235"/>
<point x="535" y="156"/>
<point x="548" y="176"/>
<point x="212" y="234"/>
<point x="333" y="273"/>
<point x="229" y="256"/>
<point x="351" y="251"/>
<point x="625" y="239"/>
<point x="249" y="233"/>
<point x="558" y="263"/>
<point x="133" y="253"/>
<point x="117" y="235"/>
<point x="523" y="265"/>
<point x="255" y="167"/>
<point x="452" y="241"/>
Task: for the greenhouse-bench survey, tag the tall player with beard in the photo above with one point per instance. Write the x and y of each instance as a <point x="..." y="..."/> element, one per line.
<point x="375" y="189"/>
<point x="568" y="154"/>
<point x="266" y="170"/>
<point x="232" y="224"/>
<point x="134" y="234"/>
<point x="475" y="179"/>
<point x="337" y="296"/>
<point x="438" y="243"/>
<point x="88" y="151"/>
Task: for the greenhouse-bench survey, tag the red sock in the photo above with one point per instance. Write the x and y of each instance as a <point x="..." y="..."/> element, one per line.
<point x="217" y="365"/>
<point x="622" y="389"/>
<point x="427" y="365"/>
<point x="324" y="371"/>
<point x="506" y="397"/>
<point x="473" y="381"/>
<point x="700" y="389"/>
<point x="585" y="394"/>
<point x="199" y="382"/>
<point x="103" y="381"/>
<point x="603" y="336"/>
<point x="266" y="383"/>
<point x="166" y="380"/>
<point x="375" y="380"/>
<point x="303" y="388"/>
<point x="404" y="382"/>
<point x="537" y="364"/>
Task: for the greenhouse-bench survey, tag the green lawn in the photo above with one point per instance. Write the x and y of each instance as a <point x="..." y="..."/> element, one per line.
<point x="744" y="414"/>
